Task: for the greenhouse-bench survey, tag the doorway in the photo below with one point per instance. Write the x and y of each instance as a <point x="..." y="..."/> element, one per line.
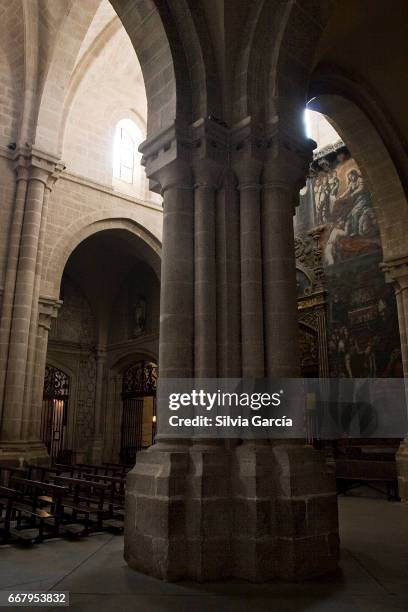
<point x="54" y="410"/>
<point x="138" y="410"/>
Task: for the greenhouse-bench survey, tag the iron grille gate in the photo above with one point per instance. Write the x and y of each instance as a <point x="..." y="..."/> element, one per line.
<point x="139" y="381"/>
<point x="54" y="409"/>
<point x="132" y="429"/>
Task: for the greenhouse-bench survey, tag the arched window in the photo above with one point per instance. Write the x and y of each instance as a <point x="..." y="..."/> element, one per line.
<point x="125" y="153"/>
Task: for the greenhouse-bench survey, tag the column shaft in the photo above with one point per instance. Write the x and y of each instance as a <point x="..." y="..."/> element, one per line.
<point x="251" y="281"/>
<point x="34" y="428"/>
<point x="228" y="280"/>
<point x="11" y="274"/>
<point x="279" y="268"/>
<point x="205" y="308"/>
<point x="176" y="348"/>
<point x="29" y="427"/>
<point x="23" y="302"/>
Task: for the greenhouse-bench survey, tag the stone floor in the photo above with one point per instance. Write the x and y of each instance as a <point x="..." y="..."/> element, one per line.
<point x="373" y="575"/>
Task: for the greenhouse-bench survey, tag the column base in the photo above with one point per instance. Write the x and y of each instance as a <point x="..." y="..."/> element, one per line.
<point x="155" y="534"/>
<point x="14" y="454"/>
<point x="257" y="512"/>
<point x="402" y="470"/>
<point x="307" y="513"/>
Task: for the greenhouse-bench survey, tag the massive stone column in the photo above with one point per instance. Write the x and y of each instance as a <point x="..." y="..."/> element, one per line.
<point x="396" y="272"/>
<point x="204" y="509"/>
<point x="13" y="434"/>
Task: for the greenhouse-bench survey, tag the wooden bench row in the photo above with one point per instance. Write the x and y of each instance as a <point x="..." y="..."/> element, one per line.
<point x="352" y="473"/>
<point x="33" y="509"/>
<point x="115" y="484"/>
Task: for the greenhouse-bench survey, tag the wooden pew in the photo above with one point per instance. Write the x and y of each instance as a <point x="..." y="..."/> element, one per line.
<point x="352" y="473"/>
<point x="116" y="494"/>
<point x="87" y="498"/>
<point x="103" y="470"/>
<point x="39" y="505"/>
<point x="7" y="497"/>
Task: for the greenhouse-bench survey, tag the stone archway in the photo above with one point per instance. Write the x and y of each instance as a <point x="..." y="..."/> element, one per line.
<point x="96" y="325"/>
<point x="84" y="228"/>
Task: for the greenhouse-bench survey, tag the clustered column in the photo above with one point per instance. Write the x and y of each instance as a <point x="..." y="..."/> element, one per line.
<point x="211" y="509"/>
<point x="11" y="271"/>
<point x="20" y="322"/>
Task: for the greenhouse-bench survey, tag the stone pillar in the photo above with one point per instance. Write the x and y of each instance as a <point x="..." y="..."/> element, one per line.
<point x="205" y="286"/>
<point x="205" y="509"/>
<point x="29" y="391"/>
<point x="279" y="268"/>
<point x="155" y="528"/>
<point x="13" y="435"/>
<point x="98" y="444"/>
<point x="47" y="311"/>
<point x="396" y="272"/>
<point x="228" y="279"/>
<point x="252" y="332"/>
<point x="305" y="501"/>
<point x="11" y="271"/>
<point x="176" y="347"/>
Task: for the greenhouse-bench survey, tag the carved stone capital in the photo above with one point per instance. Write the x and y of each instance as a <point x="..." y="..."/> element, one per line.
<point x="203" y="142"/>
<point x="48" y="310"/>
<point x="175" y="175"/>
<point x="247" y="142"/>
<point x="31" y="163"/>
<point x="396" y="272"/>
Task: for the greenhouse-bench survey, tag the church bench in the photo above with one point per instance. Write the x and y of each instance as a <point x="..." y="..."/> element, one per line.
<point x="7" y="496"/>
<point x="86" y="497"/>
<point x="40" y="505"/>
<point x="352" y="473"/>
<point x="116" y="492"/>
<point x="104" y="470"/>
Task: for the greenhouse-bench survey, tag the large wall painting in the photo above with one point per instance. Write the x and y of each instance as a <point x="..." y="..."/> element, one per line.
<point x="363" y="336"/>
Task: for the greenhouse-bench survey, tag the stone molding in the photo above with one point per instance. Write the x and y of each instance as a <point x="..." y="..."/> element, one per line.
<point x="282" y="154"/>
<point x="31" y="163"/>
<point x="47" y="310"/>
<point x="396" y="271"/>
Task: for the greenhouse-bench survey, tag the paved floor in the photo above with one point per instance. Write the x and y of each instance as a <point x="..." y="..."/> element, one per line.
<point x="373" y="575"/>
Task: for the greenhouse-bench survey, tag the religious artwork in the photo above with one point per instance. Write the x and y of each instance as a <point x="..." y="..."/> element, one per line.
<point x="343" y="205"/>
<point x="139" y="316"/>
<point x="362" y="323"/>
<point x="363" y="331"/>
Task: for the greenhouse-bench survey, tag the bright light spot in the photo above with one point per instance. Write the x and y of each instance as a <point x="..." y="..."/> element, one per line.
<point x="125" y="153"/>
<point x="307" y="122"/>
